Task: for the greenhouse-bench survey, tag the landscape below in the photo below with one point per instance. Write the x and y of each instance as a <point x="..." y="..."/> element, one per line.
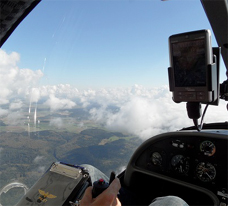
<point x="24" y="156"/>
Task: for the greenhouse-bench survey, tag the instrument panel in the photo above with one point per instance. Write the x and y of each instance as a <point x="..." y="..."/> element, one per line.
<point x="196" y="158"/>
<point x="185" y="158"/>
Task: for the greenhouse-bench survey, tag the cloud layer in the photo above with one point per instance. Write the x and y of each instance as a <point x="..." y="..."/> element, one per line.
<point x="15" y="81"/>
<point x="137" y="110"/>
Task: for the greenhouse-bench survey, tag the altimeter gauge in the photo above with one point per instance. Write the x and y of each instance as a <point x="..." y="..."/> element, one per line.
<point x="180" y="164"/>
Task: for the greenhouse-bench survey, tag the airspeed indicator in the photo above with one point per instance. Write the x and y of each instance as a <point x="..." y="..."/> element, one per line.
<point x="206" y="172"/>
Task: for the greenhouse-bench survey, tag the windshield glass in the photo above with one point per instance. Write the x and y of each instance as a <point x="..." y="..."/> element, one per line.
<point x="86" y="82"/>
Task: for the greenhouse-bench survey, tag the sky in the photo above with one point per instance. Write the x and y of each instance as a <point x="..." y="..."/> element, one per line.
<point x="109" y="43"/>
<point x="74" y="53"/>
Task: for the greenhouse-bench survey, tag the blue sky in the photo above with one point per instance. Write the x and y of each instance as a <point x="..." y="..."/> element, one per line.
<point x="103" y="43"/>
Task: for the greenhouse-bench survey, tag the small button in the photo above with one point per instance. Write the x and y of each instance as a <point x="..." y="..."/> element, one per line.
<point x="101" y="181"/>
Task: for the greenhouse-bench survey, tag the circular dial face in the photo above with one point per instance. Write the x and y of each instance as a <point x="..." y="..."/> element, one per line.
<point x="208" y="148"/>
<point x="156" y="158"/>
<point x="206" y="172"/>
<point x="180" y="164"/>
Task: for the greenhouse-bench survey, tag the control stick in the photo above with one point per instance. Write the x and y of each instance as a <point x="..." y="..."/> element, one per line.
<point x="100" y="185"/>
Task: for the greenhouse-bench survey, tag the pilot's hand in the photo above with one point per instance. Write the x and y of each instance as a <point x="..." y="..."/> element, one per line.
<point x="106" y="198"/>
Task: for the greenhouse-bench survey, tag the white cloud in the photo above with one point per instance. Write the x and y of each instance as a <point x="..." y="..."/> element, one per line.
<point x="13" y="80"/>
<point x="3" y="112"/>
<point x="15" y="118"/>
<point x="41" y="169"/>
<point x="60" y="90"/>
<point x="137" y="110"/>
<point x="141" y="116"/>
<point x="4" y="95"/>
<point x="8" y="60"/>
<point x="34" y="94"/>
<point x="38" y="159"/>
<point x="16" y="105"/>
<point x="56" y="122"/>
<point x="146" y="112"/>
<point x="56" y="104"/>
<point x="81" y="124"/>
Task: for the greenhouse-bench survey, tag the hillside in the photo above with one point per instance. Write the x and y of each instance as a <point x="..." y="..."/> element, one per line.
<point x="25" y="157"/>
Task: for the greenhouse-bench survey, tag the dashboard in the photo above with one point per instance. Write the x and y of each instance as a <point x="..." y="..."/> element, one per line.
<point x="189" y="164"/>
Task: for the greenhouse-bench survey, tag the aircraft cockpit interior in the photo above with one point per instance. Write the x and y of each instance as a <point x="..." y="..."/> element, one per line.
<point x="191" y="163"/>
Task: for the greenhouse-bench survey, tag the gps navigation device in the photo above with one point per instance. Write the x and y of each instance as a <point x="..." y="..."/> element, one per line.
<point x="192" y="75"/>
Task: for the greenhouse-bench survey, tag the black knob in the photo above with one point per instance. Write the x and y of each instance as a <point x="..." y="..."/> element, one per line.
<point x="98" y="187"/>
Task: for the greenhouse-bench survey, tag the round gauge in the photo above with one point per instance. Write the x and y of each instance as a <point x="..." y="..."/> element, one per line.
<point x="156" y="158"/>
<point x="208" y="148"/>
<point x="206" y="172"/>
<point x="180" y="164"/>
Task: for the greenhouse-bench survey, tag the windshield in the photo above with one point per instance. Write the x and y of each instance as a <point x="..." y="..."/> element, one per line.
<point x="86" y="82"/>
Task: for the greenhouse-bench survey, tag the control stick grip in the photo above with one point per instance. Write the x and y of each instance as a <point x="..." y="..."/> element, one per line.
<point x="98" y="187"/>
